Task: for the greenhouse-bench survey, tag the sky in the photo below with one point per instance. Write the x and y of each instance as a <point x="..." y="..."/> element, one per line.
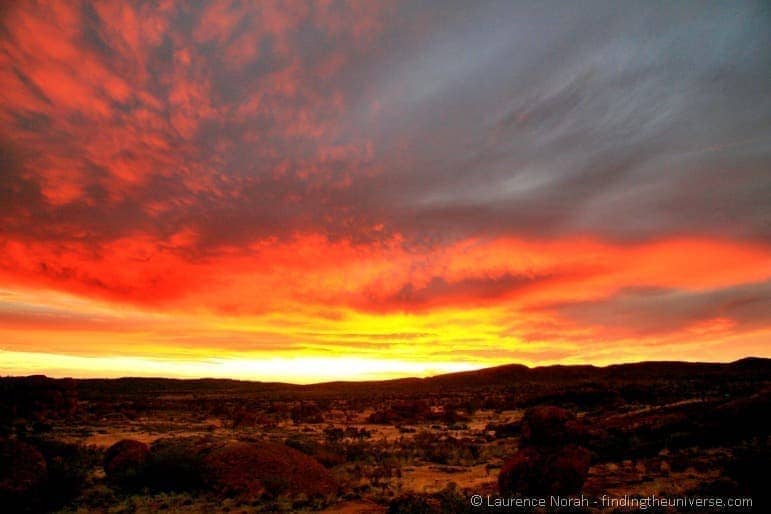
<point x="307" y="191"/>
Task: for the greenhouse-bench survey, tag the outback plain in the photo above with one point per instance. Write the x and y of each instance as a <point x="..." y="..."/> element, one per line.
<point x="669" y="429"/>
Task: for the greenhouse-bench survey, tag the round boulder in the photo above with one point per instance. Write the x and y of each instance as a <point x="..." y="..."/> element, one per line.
<point x="546" y="425"/>
<point x="125" y="462"/>
<point x="567" y="469"/>
<point x="541" y="472"/>
<point x="239" y="469"/>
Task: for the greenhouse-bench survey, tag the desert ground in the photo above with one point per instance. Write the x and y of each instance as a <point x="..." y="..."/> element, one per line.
<point x="138" y="445"/>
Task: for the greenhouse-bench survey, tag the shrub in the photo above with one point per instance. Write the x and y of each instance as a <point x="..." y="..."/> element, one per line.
<point x="23" y="476"/>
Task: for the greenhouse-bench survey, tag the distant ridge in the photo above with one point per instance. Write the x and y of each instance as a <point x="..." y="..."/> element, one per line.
<point x="498" y="376"/>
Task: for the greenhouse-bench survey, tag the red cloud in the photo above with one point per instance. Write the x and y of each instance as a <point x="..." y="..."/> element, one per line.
<point x="316" y="159"/>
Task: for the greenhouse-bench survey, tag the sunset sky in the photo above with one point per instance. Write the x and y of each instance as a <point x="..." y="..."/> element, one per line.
<point x="344" y="190"/>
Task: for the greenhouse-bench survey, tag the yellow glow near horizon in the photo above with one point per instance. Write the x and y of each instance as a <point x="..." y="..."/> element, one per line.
<point x="298" y="370"/>
<point x="359" y="337"/>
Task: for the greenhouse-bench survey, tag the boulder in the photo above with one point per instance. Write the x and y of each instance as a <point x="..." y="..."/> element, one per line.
<point x="236" y="469"/>
<point x="125" y="462"/>
<point x="546" y="425"/>
<point x="534" y="471"/>
<point x="249" y="470"/>
<point x="567" y="469"/>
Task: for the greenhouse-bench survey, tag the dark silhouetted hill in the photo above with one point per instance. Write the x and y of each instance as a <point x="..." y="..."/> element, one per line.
<point x="507" y="376"/>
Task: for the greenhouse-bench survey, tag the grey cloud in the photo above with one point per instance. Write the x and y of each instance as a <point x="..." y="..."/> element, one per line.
<point x="654" y="311"/>
<point x="626" y="121"/>
<point x="438" y="290"/>
<point x="596" y="119"/>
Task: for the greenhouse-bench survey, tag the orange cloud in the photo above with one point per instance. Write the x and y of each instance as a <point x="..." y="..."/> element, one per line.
<point x="301" y="180"/>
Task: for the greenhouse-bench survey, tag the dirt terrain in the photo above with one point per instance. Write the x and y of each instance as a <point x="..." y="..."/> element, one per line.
<point x="412" y="445"/>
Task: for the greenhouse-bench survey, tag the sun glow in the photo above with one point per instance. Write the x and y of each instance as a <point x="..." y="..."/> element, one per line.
<point x="474" y="304"/>
<point x="299" y="370"/>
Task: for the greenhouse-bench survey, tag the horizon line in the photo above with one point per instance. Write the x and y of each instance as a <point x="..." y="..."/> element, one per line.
<point x="392" y="379"/>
